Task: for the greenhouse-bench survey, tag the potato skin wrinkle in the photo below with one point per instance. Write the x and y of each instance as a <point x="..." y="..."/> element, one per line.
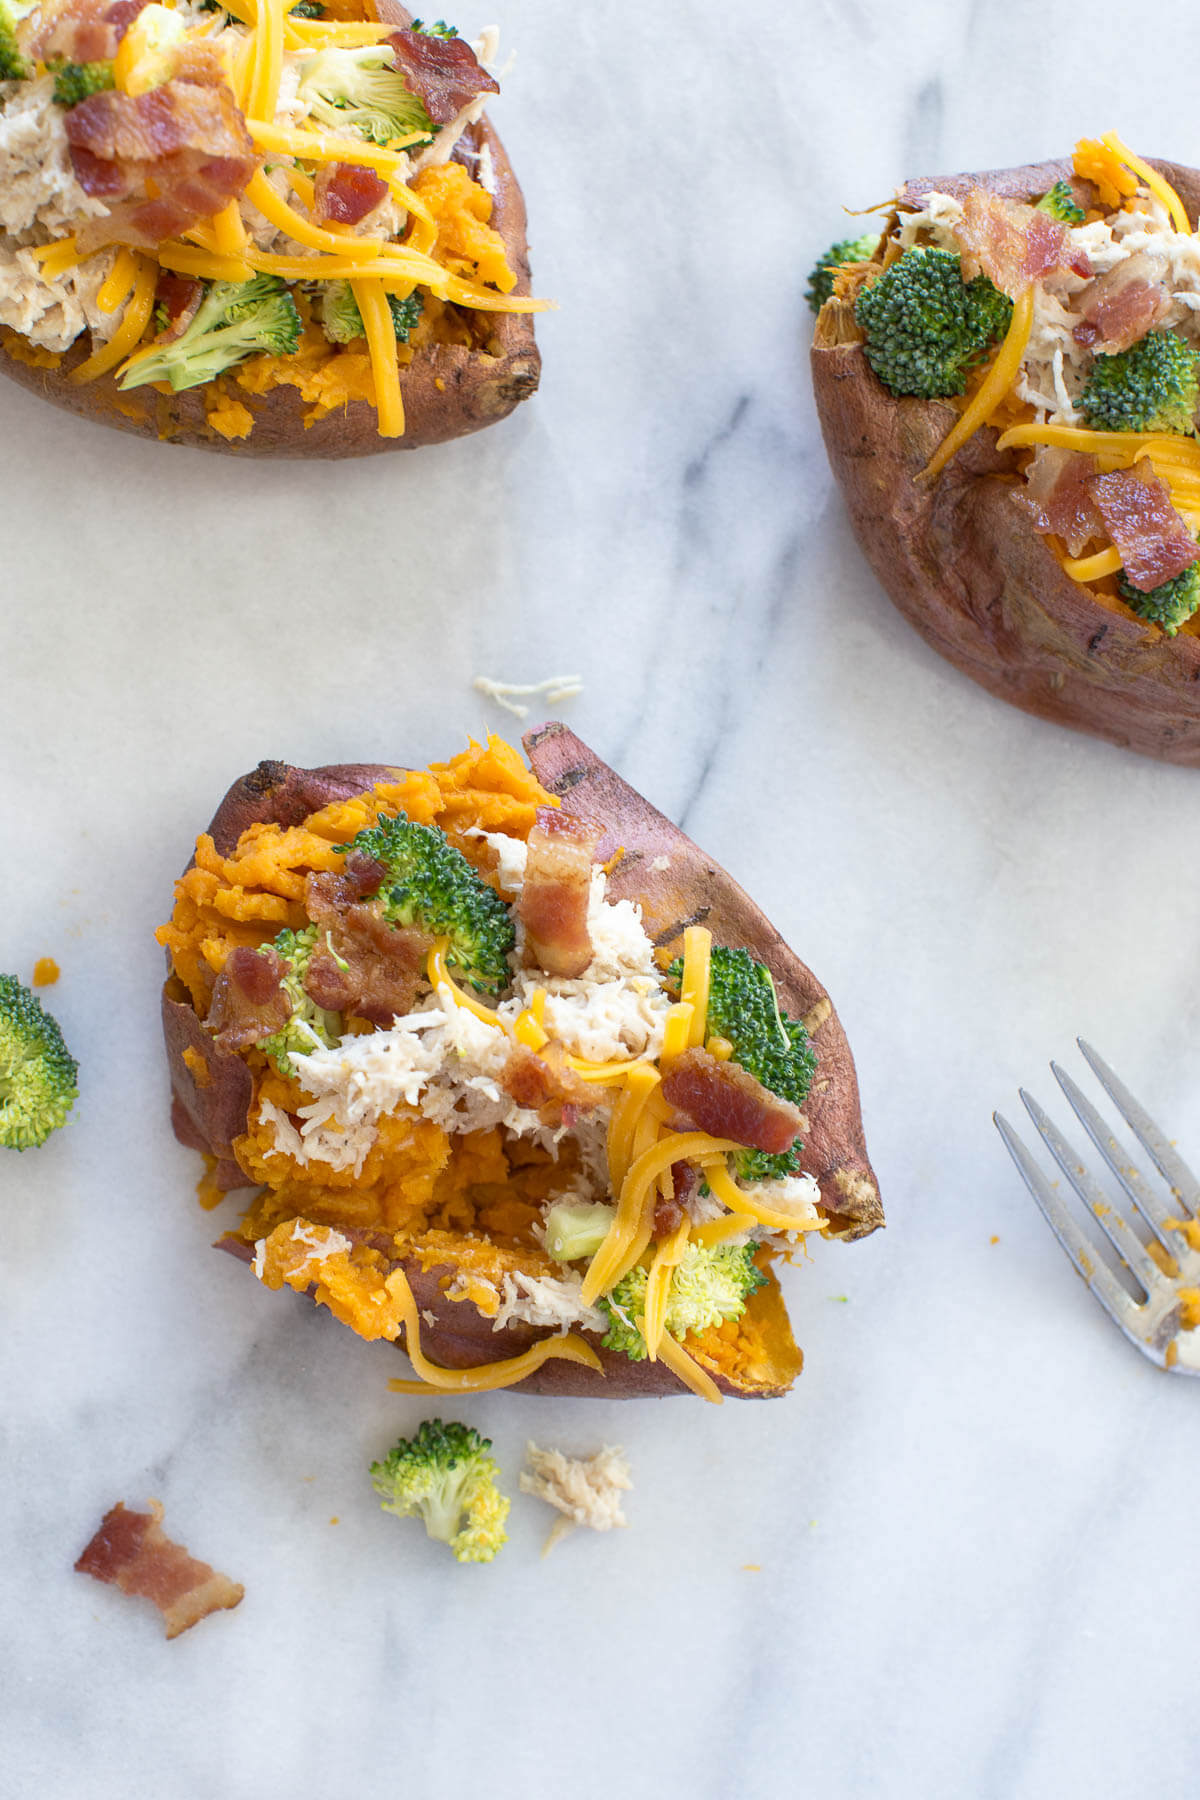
<point x="959" y="558"/>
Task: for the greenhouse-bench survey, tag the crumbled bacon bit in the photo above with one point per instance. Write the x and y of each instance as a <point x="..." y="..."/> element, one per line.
<point x="1012" y="243"/>
<point x="443" y="72"/>
<point x="178" y="296"/>
<point x="543" y="1079"/>
<point x="175" y="155"/>
<point x="553" y="905"/>
<point x="365" y="966"/>
<point x="346" y="193"/>
<point x="131" y="1551"/>
<point x="724" y="1099"/>
<point x="1122" y="306"/>
<point x="83" y="31"/>
<point x="1057" y="497"/>
<point x="248" y="1000"/>
<point x="1154" y="542"/>
<point x="669" y="1214"/>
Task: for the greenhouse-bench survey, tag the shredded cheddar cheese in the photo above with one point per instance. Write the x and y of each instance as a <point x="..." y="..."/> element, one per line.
<point x="381" y="342"/>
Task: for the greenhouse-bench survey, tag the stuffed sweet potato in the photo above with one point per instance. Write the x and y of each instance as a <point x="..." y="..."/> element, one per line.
<point x="270" y="231"/>
<point x="527" y="1082"/>
<point x="1007" y="384"/>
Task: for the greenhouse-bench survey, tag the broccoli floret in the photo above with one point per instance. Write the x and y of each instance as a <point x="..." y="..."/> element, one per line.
<point x="1170" y="604"/>
<point x="1152" y="386"/>
<point x="925" y="327"/>
<point x="431" y="885"/>
<point x="445" y="1475"/>
<point x="438" y="29"/>
<point x="74" y="82"/>
<point x="743" y="1009"/>
<point x="707" y="1288"/>
<point x="13" y="66"/>
<point x="820" y="282"/>
<point x="37" y="1071"/>
<point x="341" y="320"/>
<point x="577" y="1228"/>
<point x="1062" y="205"/>
<point x="358" y="90"/>
<point x="310" y="1026"/>
<point x="233" y="321"/>
<point x="307" y="9"/>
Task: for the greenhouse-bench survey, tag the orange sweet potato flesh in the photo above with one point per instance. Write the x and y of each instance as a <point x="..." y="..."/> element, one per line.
<point x="449" y="389"/>
<point x="212" y="1092"/>
<point x="962" y="562"/>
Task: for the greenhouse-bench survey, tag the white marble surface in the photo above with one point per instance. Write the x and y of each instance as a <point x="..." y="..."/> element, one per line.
<point x="972" y="1518"/>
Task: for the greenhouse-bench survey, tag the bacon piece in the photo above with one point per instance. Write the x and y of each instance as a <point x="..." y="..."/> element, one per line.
<point x="1057" y="497"/>
<point x="669" y="1214"/>
<point x="346" y="193"/>
<point x="131" y="1551"/>
<point x="83" y="30"/>
<point x="366" y="966"/>
<point x="1012" y="243"/>
<point x="443" y="72"/>
<point x="1154" y="542"/>
<point x="543" y="1080"/>
<point x="248" y="1000"/>
<point x="1122" y="306"/>
<point x="553" y="904"/>
<point x="178" y="296"/>
<point x="727" y="1101"/>
<point x="177" y="154"/>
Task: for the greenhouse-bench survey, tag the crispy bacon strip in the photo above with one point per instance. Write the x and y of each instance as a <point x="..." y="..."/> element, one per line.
<point x="1014" y="244"/>
<point x="543" y="1080"/>
<point x="1057" y="497"/>
<point x="346" y="193"/>
<point x="1122" y="306"/>
<point x="248" y="1001"/>
<point x="83" y="30"/>
<point x="727" y="1101"/>
<point x="443" y="72"/>
<point x="1154" y="542"/>
<point x="366" y="966"/>
<point x="176" y="154"/>
<point x="554" y="900"/>
<point x="131" y="1551"/>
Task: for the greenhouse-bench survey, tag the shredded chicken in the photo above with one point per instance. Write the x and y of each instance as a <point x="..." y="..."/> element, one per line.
<point x="586" y="1489"/>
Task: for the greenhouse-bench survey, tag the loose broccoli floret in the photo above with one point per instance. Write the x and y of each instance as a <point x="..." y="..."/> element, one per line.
<point x="925" y="327"/>
<point x="1170" y="604"/>
<point x="310" y="1025"/>
<point x="577" y="1228"/>
<point x="307" y="9"/>
<point x="445" y="1475"/>
<point x="341" y="320"/>
<point x="13" y="66"/>
<point x="37" y="1071"/>
<point x="233" y="321"/>
<point x="438" y="29"/>
<point x="707" y="1288"/>
<point x="1062" y="205"/>
<point x="358" y="90"/>
<point x="743" y="1009"/>
<point x="820" y="282"/>
<point x="74" y="82"/>
<point x="1152" y="386"/>
<point x="431" y="885"/>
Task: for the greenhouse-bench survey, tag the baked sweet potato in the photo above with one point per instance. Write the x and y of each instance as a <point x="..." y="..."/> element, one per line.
<point x="448" y="1236"/>
<point x="464" y="365"/>
<point x="960" y="555"/>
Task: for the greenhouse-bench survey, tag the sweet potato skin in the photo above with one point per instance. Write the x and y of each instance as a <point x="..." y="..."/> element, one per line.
<point x="960" y="560"/>
<point x="449" y="390"/>
<point x="212" y="1092"/>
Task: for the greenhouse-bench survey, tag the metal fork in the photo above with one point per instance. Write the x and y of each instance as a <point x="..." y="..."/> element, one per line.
<point x="1154" y="1322"/>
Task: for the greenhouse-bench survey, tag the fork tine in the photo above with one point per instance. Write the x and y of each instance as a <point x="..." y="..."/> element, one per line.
<point x="1147" y="1202"/>
<point x="1121" y="1309"/>
<point x="1127" y="1246"/>
<point x="1171" y="1165"/>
